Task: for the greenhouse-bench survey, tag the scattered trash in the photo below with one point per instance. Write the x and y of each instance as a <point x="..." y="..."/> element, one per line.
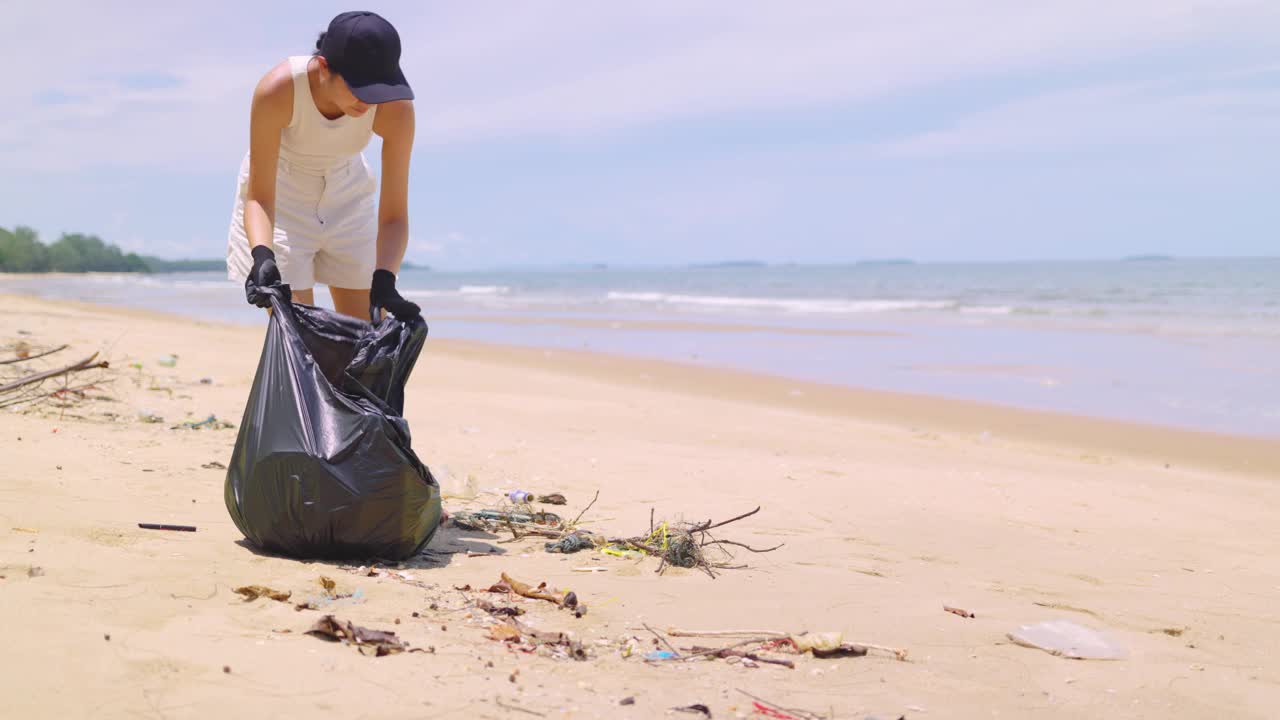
<point x="328" y="596"/>
<point x="571" y="543"/>
<point x="214" y="465"/>
<point x="211" y="423"/>
<point x="1067" y="639"/>
<point x="520" y="497"/>
<point x="528" y="639"/>
<point x="698" y="708"/>
<point x="743" y="654"/>
<point x="382" y="642"/>
<point x="552" y="499"/>
<point x="253" y="592"/>
<point x="567" y="600"/>
<point x="27" y="530"/>
<point x="619" y="552"/>
<point x="169" y="360"/>
<point x="658" y="655"/>
<point x="820" y="645"/>
<point x="590" y="569"/>
<point x="162" y="526"/>
<point x="147" y="416"/>
<point x="497" y="610"/>
<point x="526" y="523"/>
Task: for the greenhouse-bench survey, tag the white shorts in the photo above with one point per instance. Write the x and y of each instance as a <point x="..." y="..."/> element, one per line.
<point x="326" y="228"/>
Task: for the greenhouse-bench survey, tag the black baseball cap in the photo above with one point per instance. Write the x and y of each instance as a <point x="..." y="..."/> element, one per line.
<point x="364" y="49"/>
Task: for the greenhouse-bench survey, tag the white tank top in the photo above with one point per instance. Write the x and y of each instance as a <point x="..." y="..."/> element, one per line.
<point x="313" y="141"/>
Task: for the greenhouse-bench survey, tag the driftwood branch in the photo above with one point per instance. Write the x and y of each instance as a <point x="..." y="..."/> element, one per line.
<point x="86" y="364"/>
<point x="733" y="652"/>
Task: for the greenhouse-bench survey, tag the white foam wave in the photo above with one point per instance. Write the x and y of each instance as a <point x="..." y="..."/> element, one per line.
<point x="795" y="305"/>
<point x="484" y="290"/>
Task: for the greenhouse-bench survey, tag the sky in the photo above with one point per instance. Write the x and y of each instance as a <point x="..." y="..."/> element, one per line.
<point x="660" y="132"/>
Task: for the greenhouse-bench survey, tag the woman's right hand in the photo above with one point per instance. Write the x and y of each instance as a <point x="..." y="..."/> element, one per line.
<point x="264" y="274"/>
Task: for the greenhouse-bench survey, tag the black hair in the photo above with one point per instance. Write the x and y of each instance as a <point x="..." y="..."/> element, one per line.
<point x="319" y="42"/>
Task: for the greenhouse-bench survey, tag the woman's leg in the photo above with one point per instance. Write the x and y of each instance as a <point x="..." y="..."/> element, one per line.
<point x="305" y="297"/>
<point x="347" y="301"/>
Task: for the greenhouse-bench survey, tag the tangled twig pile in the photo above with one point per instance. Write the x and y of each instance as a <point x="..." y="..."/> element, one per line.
<point x="21" y="387"/>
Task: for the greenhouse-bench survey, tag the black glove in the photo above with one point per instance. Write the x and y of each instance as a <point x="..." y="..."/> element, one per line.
<point x="264" y="274"/>
<point x="383" y="294"/>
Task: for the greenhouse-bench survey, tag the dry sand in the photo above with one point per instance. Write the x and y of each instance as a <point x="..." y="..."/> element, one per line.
<point x="890" y="507"/>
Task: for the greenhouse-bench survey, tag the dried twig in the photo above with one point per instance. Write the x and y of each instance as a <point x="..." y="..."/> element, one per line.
<point x="743" y="545"/>
<point x="733" y="652"/>
<point x="958" y="611"/>
<point x="517" y="708"/>
<point x="709" y="526"/>
<point x="663" y="641"/>
<point x="85" y="364"/>
<point x="585" y="509"/>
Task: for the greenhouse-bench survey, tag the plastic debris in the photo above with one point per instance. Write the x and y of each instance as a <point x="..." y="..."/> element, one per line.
<point x="211" y="423"/>
<point x="570" y="543"/>
<point x="658" y="655"/>
<point x="1069" y="640"/>
<point x="169" y="360"/>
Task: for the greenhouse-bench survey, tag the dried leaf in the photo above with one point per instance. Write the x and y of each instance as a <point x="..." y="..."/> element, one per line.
<point x="381" y="642"/>
<point x="253" y="592"/>
<point x="328" y="584"/>
<point x="502" y="632"/>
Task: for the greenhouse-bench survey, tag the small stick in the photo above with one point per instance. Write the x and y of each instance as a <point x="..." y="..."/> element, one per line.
<point x="33" y="357"/>
<point x="958" y="611"/>
<point x="731" y="652"/>
<point x="85" y="364"/>
<point x="742" y="545"/>
<point x="704" y="528"/>
<point x="161" y="526"/>
<point x="585" y="509"/>
<point x="505" y="706"/>
<point x="664" y="641"/>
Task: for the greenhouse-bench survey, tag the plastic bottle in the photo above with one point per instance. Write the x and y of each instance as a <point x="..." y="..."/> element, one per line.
<point x="520" y="497"/>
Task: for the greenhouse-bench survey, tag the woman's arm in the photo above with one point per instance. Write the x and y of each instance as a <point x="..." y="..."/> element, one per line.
<point x="271" y="112"/>
<point x="394" y="123"/>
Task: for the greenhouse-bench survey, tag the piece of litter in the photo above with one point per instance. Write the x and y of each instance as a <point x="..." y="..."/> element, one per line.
<point x="1067" y="639"/>
<point x="591" y="569"/>
<point x="658" y="655"/>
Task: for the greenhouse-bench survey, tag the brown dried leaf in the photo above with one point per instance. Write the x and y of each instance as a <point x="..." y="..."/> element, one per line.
<point x="503" y="632"/>
<point x="382" y="642"/>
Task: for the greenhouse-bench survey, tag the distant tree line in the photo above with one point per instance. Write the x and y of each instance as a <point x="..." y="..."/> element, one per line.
<point x="21" y="251"/>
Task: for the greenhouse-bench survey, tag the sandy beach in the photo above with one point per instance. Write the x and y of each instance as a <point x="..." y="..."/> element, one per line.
<point x="889" y="506"/>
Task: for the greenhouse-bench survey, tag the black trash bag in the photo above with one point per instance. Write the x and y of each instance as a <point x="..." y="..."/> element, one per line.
<point x="323" y="466"/>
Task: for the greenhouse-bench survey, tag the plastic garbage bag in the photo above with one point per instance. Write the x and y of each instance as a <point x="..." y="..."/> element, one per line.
<point x="1065" y="638"/>
<point x="323" y="466"/>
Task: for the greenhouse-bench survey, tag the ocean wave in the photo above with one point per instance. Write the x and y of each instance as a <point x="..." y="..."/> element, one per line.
<point x="796" y="305"/>
<point x="987" y="310"/>
<point x="465" y="290"/>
